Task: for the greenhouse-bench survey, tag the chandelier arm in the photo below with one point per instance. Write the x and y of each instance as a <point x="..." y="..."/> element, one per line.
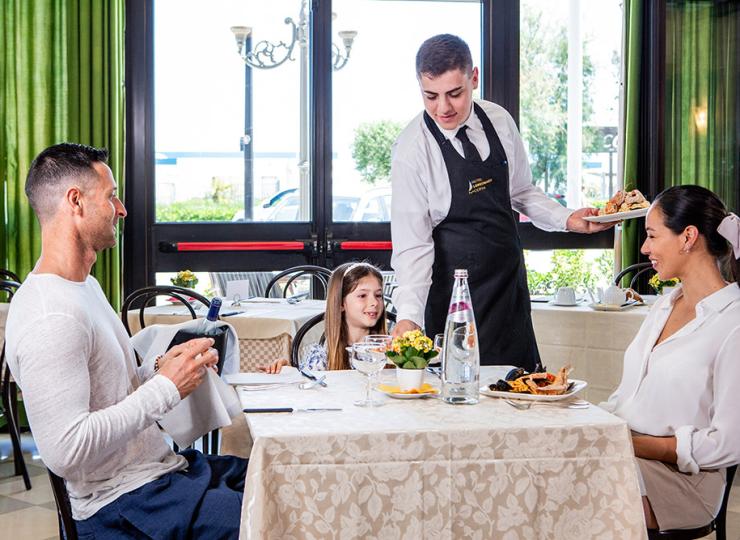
<point x="338" y="59"/>
<point x="262" y="56"/>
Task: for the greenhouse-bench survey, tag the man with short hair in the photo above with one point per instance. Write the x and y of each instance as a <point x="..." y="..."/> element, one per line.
<point x="457" y="170"/>
<point x="92" y="411"/>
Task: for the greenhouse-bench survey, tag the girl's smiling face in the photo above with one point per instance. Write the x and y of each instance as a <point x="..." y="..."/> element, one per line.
<point x="364" y="305"/>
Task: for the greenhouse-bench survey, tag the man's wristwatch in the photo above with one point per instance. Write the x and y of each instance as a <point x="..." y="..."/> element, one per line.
<point x="156" y="362"/>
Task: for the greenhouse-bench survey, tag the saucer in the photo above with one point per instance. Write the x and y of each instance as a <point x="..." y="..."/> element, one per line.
<point x="554" y="303"/>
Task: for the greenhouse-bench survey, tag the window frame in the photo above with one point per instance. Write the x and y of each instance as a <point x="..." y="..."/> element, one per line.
<point x="146" y="246"/>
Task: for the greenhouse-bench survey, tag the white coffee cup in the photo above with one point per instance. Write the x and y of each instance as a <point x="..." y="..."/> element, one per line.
<point x="566" y="296"/>
<point x="614" y="296"/>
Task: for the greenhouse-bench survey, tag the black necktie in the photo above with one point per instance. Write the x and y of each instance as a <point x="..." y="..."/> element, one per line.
<point x="469" y="149"/>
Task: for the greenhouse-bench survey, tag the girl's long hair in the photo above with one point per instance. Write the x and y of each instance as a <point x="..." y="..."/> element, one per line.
<point x="344" y="280"/>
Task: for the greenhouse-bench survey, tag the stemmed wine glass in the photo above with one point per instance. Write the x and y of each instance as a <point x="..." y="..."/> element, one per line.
<point x="368" y="359"/>
<point x="382" y="341"/>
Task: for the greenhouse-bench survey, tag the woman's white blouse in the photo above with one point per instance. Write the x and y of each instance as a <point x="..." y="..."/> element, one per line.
<point x="689" y="384"/>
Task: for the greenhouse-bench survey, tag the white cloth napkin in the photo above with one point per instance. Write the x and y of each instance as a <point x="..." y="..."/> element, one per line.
<point x="210" y="406"/>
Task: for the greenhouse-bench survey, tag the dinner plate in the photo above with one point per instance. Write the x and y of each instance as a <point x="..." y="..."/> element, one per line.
<point x="615" y="307"/>
<point x="577" y="387"/>
<point x="619" y="216"/>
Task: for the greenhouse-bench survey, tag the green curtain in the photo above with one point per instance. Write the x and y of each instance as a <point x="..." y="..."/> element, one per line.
<point x="632" y="39"/>
<point x="61" y="79"/>
<point x="701" y="90"/>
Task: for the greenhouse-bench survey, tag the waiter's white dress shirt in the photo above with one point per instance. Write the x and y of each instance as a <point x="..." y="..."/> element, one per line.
<point x="422" y="196"/>
<point x="689" y="384"/>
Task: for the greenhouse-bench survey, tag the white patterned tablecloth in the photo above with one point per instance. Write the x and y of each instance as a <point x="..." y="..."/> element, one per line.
<point x="425" y="469"/>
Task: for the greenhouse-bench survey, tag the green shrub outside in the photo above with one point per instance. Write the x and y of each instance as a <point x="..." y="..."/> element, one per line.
<point x="198" y="210"/>
<point x="571" y="269"/>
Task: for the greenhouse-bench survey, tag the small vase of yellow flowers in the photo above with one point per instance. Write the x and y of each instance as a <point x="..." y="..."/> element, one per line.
<point x="185" y="278"/>
<point x="663" y="286"/>
<point x="411" y="354"/>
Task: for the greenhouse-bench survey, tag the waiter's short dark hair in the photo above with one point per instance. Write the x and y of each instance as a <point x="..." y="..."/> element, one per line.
<point x="442" y="53"/>
<point x="55" y="169"/>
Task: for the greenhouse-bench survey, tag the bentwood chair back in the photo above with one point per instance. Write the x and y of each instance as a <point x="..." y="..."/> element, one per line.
<point x="143" y="298"/>
<point x="67" y="525"/>
<point x="717" y="525"/>
<point x="320" y="274"/>
<point x="9" y="399"/>
<point x="637" y="268"/>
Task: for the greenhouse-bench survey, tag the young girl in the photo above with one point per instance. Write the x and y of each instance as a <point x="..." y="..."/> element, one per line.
<point x="354" y="309"/>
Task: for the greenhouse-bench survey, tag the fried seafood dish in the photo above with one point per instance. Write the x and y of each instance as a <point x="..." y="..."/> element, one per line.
<point x="624" y="201"/>
<point x="519" y="381"/>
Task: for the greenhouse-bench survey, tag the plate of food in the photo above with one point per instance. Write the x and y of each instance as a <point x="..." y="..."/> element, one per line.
<point x="542" y="386"/>
<point x="623" y="205"/>
<point x="396" y="392"/>
<point x="598" y="306"/>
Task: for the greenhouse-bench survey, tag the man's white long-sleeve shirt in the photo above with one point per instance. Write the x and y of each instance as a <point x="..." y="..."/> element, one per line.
<point x="93" y="417"/>
<point x="422" y="196"/>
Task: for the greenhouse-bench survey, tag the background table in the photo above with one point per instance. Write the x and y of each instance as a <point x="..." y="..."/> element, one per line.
<point x="593" y="342"/>
<point x="265" y="326"/>
<point x="425" y="469"/>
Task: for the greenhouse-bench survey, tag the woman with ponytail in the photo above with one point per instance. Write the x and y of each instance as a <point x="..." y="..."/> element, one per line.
<point x="679" y="390"/>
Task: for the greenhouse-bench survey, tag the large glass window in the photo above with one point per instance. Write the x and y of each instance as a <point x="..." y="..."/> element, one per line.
<point x="375" y="94"/>
<point x="569" y="96"/>
<point x="569" y="114"/>
<point x="228" y="131"/>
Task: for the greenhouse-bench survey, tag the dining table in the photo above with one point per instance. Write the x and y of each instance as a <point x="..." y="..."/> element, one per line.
<point x="423" y="468"/>
<point x="265" y="326"/>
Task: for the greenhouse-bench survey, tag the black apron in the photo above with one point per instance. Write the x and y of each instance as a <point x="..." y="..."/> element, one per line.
<point x="480" y="235"/>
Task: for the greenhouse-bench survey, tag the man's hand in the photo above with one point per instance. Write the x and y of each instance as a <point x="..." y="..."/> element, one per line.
<point x="186" y="364"/>
<point x="576" y="223"/>
<point x="404" y="325"/>
<point x="275" y="367"/>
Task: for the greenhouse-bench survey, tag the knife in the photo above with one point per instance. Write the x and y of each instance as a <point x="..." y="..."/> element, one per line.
<point x="290" y="410"/>
<point x="313" y="377"/>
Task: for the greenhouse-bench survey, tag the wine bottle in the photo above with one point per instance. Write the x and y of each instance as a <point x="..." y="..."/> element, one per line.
<point x="209" y="326"/>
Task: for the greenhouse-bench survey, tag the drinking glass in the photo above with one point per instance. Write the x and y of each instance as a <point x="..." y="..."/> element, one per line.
<point x="382" y="341"/>
<point x="368" y="359"/>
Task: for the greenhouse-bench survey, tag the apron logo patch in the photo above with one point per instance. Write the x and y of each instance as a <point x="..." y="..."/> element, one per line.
<point x="474" y="186"/>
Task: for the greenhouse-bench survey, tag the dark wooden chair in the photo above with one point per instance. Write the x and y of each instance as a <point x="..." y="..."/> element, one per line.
<point x="320" y="274"/>
<point x="298" y="346"/>
<point x="144" y="297"/>
<point x="7" y="275"/>
<point x="637" y="268"/>
<point x="8" y="394"/>
<point x="717" y="525"/>
<point x="67" y="525"/>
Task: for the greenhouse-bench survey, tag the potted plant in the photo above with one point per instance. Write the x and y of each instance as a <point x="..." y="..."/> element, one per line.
<point x="411" y="354"/>
<point x="185" y="278"/>
<point x="663" y="287"/>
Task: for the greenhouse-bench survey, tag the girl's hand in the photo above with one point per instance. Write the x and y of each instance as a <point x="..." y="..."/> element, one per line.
<point x="275" y="367"/>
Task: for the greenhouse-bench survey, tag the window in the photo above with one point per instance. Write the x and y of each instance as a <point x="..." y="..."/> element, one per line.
<point x="376" y="94"/>
<point x="569" y="97"/>
<point x="228" y="136"/>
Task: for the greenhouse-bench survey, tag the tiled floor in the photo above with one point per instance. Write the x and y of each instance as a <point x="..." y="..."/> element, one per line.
<point x="31" y="515"/>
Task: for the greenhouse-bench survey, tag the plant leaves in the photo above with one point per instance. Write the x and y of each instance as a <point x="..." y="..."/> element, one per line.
<point x="419" y="362"/>
<point x="409" y="365"/>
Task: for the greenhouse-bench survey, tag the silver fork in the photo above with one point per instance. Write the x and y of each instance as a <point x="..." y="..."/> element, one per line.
<point x="524" y="405"/>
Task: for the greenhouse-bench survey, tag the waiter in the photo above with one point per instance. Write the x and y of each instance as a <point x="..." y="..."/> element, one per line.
<point x="457" y="170"/>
